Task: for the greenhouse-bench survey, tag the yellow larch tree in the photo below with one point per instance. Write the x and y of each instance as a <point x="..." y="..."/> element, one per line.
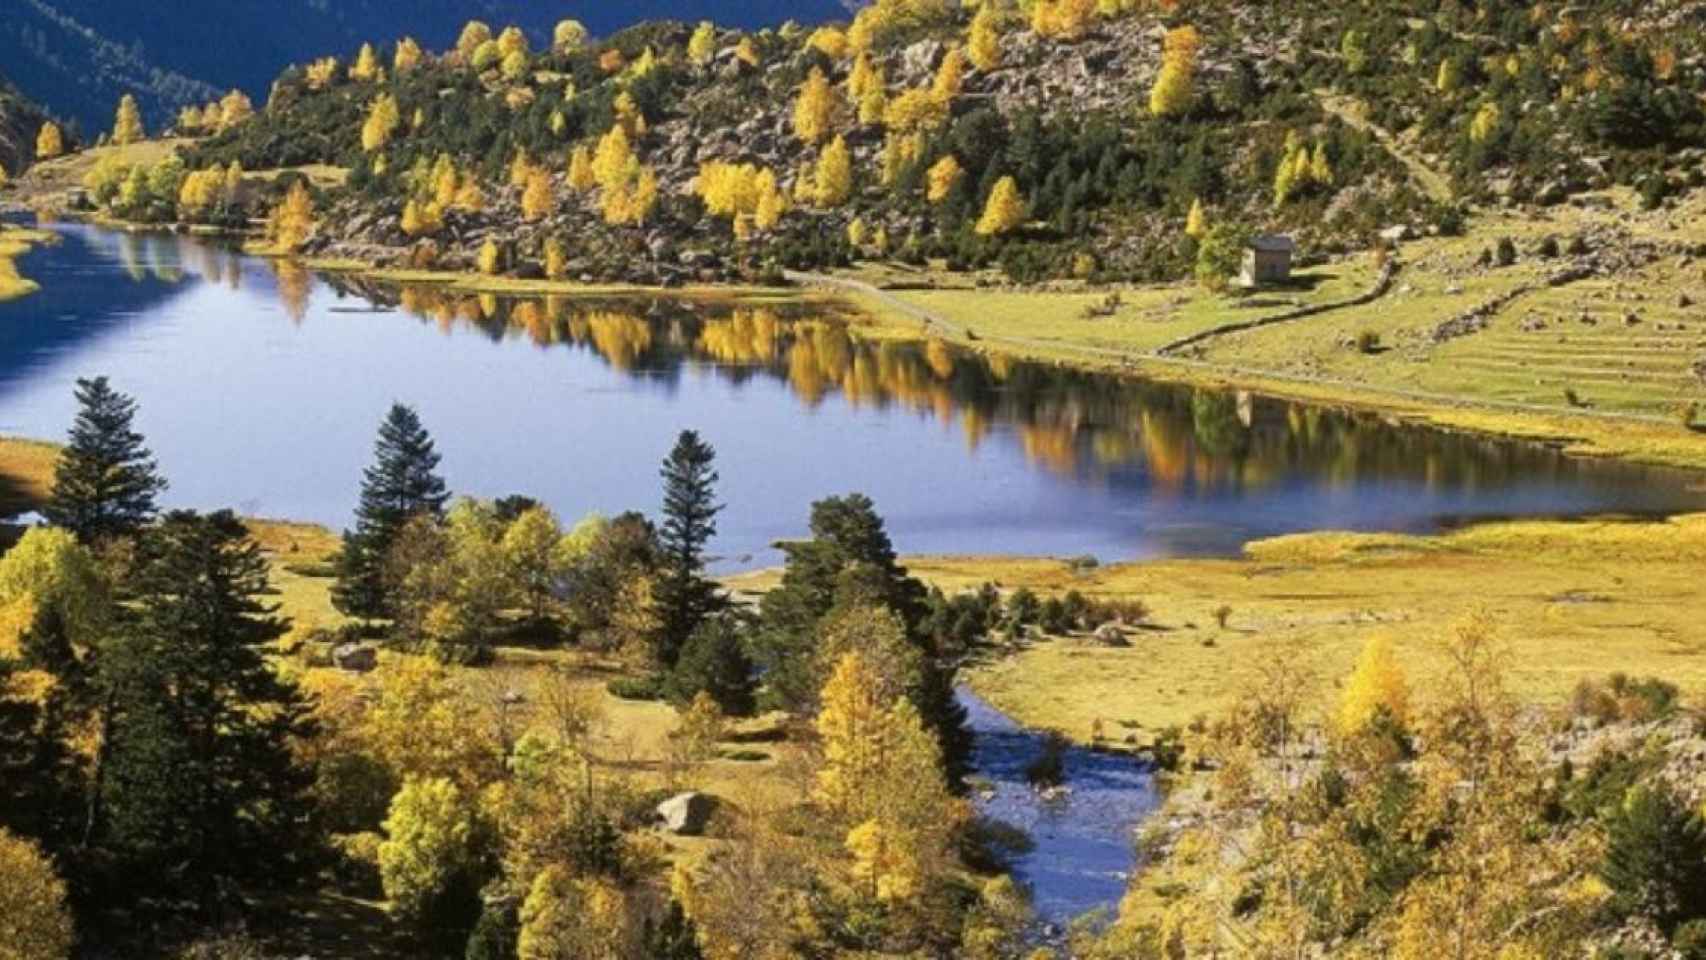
<point x="1174" y="86"/>
<point x="127" y="124"/>
<point x="916" y="110"/>
<point x="632" y="197"/>
<point x="863" y="77"/>
<point x="234" y="108"/>
<point x="512" y="40"/>
<point x="50" y="142"/>
<point x="537" y="198"/>
<point x="944" y="175"/>
<point x="1196" y="222"/>
<point x="34" y="922"/>
<point x="4" y="177"/>
<point x="581" y="175"/>
<point x="1062" y="19"/>
<point x="383" y="119"/>
<point x="1376" y="686"/>
<point x="950" y="76"/>
<point x="1005" y="210"/>
<point x="320" y="74"/>
<point x="469" y="196"/>
<point x="556" y="260"/>
<point x="702" y="46"/>
<point x="857" y="233"/>
<point x="772" y="202"/>
<point x="408" y="56"/>
<point x="829" y="41"/>
<point x="613" y="158"/>
<point x="569" y="36"/>
<point x="293" y="218"/>
<point x="366" y="65"/>
<point x="983" y="39"/>
<point x="814" y="111"/>
<point x="747" y="52"/>
<point x="834" y="181"/>
<point x="474" y="33"/>
<point x="629" y="116"/>
<point x="490" y="257"/>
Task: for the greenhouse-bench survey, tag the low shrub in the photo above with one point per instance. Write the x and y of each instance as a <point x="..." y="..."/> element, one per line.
<point x="637" y="688"/>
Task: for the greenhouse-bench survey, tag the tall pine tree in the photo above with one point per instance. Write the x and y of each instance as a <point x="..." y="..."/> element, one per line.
<point x="683" y="595"/>
<point x="106" y="480"/>
<point x="200" y="780"/>
<point x="401" y="484"/>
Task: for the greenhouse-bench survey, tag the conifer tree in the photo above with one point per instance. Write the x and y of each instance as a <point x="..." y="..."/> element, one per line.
<point x="383" y="119"/>
<point x="402" y="483"/>
<point x="50" y="142"/>
<point x="127" y="125"/>
<point x="703" y="44"/>
<point x="474" y="33"/>
<point x="536" y="197"/>
<point x="1004" y="211"/>
<point x="951" y="75"/>
<point x="814" y="111"/>
<point x="581" y="175"/>
<point x="1196" y="222"/>
<point x="683" y="596"/>
<point x="1377" y="686"/>
<point x="569" y="36"/>
<point x="201" y="771"/>
<point x="408" y="56"/>
<point x="1172" y="92"/>
<point x="34" y="921"/>
<point x="713" y="662"/>
<point x="366" y="65"/>
<point x="983" y="42"/>
<point x="106" y="480"/>
<point x="945" y="174"/>
<point x="834" y="180"/>
<point x="293" y="219"/>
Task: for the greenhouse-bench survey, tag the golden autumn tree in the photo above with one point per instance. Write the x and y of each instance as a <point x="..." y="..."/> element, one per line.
<point x="383" y="119"/>
<point x="702" y="46"/>
<point x="581" y="175"/>
<point x="834" y="181"/>
<point x="1196" y="222"/>
<point x="127" y="124"/>
<point x="944" y="175"/>
<point x="408" y="56"/>
<point x="814" y="111"/>
<point x="293" y="219"/>
<point x="1062" y="19"/>
<point x="4" y="177"/>
<point x="614" y="156"/>
<point x="50" y="142"/>
<point x="366" y="65"/>
<point x="34" y="922"/>
<point x="1004" y="211"/>
<point x="951" y="75"/>
<point x="983" y="39"/>
<point x="1174" y="86"/>
<point x="474" y="33"/>
<point x="537" y="197"/>
<point x="234" y="108"/>
<point x="566" y="917"/>
<point x="1376" y="687"/>
<point x="569" y="36"/>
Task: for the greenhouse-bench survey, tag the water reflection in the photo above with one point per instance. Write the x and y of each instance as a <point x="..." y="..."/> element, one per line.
<point x="261" y="383"/>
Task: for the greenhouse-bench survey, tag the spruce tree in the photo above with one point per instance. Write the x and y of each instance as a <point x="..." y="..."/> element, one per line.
<point x="200" y="777"/>
<point x="714" y="661"/>
<point x="106" y="480"/>
<point x="401" y="484"/>
<point x="683" y="596"/>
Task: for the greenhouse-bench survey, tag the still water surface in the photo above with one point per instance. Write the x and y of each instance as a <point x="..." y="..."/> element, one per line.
<point x="261" y="387"/>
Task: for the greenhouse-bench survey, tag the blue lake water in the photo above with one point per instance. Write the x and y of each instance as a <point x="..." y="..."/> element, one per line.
<point x="261" y="387"/>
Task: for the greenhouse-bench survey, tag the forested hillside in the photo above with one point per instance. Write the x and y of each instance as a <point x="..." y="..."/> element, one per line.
<point x="1065" y="139"/>
<point x="78" y="56"/>
<point x="20" y="121"/>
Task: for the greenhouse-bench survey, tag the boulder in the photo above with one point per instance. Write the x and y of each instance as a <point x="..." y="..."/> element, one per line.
<point x="686" y="814"/>
<point x="1398" y="233"/>
<point x="355" y="657"/>
<point x="1111" y="635"/>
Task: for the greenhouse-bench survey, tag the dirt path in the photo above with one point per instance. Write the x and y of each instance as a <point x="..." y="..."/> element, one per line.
<point x="1433" y="183"/>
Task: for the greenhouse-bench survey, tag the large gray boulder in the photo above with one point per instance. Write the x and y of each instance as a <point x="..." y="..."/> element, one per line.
<point x="355" y="657"/>
<point x="686" y="814"/>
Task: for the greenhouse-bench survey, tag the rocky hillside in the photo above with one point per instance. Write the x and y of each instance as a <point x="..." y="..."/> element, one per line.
<point x="1330" y="123"/>
<point x="20" y="120"/>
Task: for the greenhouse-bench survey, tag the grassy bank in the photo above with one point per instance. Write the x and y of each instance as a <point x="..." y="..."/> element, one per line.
<point x="14" y="243"/>
<point x="1574" y="600"/>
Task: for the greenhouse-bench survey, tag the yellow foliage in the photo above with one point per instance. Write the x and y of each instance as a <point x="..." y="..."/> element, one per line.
<point x="234" y="108"/>
<point x="864" y="77"/>
<point x="574" y="918"/>
<point x="885" y="860"/>
<point x="34" y="922"/>
<point x="834" y="181"/>
<point x="950" y="76"/>
<point x="1376" y="685"/>
<point x="631" y="199"/>
<point x="127" y="125"/>
<point x="814" y="111"/>
<point x="1486" y="122"/>
<point x="50" y="142"/>
<point x="983" y="40"/>
<point x="293" y="219"/>
<point x="408" y="56"/>
<point x="1004" y="211"/>
<point x="944" y="175"/>
<point x="469" y="196"/>
<point x="1173" y="88"/>
<point x="747" y="52"/>
<point x="829" y="41"/>
<point x="1062" y="19"/>
<point x="629" y="117"/>
<point x="474" y="33"/>
<point x="366" y="65"/>
<point x="614" y="157"/>
<point x="556" y="260"/>
<point x="320" y="73"/>
<point x="1196" y="222"/>
<point x="702" y="46"/>
<point x="490" y="259"/>
<point x="537" y="198"/>
<point x="383" y="119"/>
<point x="856" y="232"/>
<point x="568" y="36"/>
<point x="916" y="110"/>
<point x="581" y="175"/>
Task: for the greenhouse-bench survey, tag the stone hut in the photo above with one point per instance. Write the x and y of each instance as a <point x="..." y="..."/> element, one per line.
<point x="1267" y="259"/>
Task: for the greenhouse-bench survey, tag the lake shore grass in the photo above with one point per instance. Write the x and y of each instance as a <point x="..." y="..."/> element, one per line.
<point x="14" y="243"/>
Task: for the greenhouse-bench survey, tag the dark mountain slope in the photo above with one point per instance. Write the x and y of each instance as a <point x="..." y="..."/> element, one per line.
<point x="78" y="56"/>
<point x="20" y="120"/>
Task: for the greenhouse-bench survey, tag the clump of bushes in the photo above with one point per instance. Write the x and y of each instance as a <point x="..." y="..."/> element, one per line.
<point x="1048" y="768"/>
<point x="1623" y="698"/>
